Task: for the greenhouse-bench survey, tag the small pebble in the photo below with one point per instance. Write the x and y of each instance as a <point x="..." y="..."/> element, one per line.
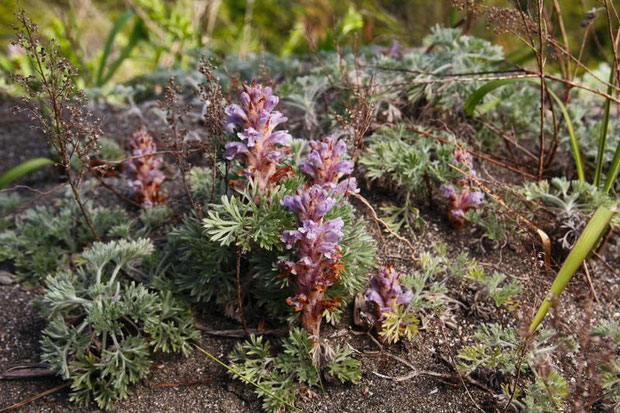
<point x="6" y="278"/>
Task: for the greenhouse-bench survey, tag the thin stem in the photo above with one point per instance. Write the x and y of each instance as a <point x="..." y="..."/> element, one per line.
<point x="239" y="300"/>
<point x="541" y="70"/>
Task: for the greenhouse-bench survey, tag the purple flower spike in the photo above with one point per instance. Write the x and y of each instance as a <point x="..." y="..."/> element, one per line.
<point x="261" y="148"/>
<point x="325" y="167"/>
<point x="143" y="169"/>
<point x="462" y="199"/>
<point x="385" y="291"/>
<point x="317" y="254"/>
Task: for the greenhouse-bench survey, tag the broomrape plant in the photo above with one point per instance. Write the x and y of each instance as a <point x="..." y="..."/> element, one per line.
<point x="261" y="148"/>
<point x="462" y="198"/>
<point x="392" y="316"/>
<point x="318" y="254"/>
<point x="143" y="169"/>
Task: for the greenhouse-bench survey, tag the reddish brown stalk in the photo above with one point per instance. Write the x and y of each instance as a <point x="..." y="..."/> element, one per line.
<point x="70" y="129"/>
<point x="174" y="115"/>
<point x="239" y="300"/>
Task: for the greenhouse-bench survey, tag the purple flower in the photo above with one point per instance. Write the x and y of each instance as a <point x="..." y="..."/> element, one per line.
<point x="325" y="166"/>
<point x="309" y="203"/>
<point x="260" y="148"/>
<point x="143" y="169"/>
<point x="447" y="190"/>
<point x="461" y="198"/>
<point x="395" y="51"/>
<point x="385" y="291"/>
<point x="317" y="253"/>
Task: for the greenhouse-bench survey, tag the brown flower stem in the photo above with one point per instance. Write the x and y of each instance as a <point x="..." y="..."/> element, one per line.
<point x="239" y="300"/>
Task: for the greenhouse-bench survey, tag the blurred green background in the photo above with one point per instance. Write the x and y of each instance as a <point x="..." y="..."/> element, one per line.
<point x="115" y="40"/>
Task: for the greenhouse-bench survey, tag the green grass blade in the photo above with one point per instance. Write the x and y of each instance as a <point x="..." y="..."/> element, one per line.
<point x="107" y="49"/>
<point x="23" y="169"/>
<point x="137" y="33"/>
<point x="586" y="242"/>
<point x="602" y="140"/>
<point x="613" y="170"/>
<point x="573" y="139"/>
<point x="475" y="98"/>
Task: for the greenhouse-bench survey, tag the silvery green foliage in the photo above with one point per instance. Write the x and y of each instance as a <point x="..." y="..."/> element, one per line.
<point x="284" y="374"/>
<point x="407" y="160"/>
<point x="303" y="95"/>
<point x="451" y="52"/>
<point x="573" y="202"/>
<point x="409" y="164"/>
<point x="610" y="381"/>
<point x="495" y="347"/>
<point x="9" y="203"/>
<point x="495" y="355"/>
<point x="102" y="329"/>
<point x="41" y="239"/>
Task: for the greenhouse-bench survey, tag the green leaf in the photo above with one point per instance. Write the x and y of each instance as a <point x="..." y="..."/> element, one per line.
<point x="475" y="98"/>
<point x="602" y="142"/>
<point x="573" y="138"/>
<point x="137" y="33"/>
<point x="118" y="25"/>
<point x="613" y="170"/>
<point x="587" y="240"/>
<point x="352" y="21"/>
<point x="22" y="169"/>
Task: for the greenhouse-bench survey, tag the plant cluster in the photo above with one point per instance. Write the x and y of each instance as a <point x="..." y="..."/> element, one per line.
<point x="416" y="164"/>
<point x="408" y="158"/>
<point x="572" y="202"/>
<point x="258" y="213"/>
<point x="278" y="379"/>
<point x="498" y="355"/>
<point x="42" y="239"/>
<point x="102" y="328"/>
<point x="271" y="211"/>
